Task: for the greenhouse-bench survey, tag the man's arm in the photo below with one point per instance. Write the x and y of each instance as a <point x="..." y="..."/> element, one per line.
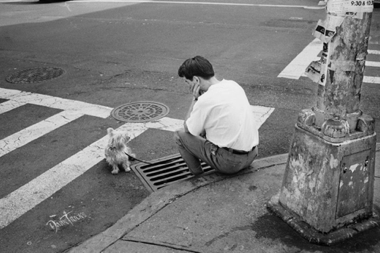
<point x="203" y="133"/>
<point x="196" y="91"/>
<point x="188" y="114"/>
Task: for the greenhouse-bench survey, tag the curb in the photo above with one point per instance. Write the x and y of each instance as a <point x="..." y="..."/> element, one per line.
<point x="164" y="197"/>
<point x="159" y="200"/>
<point x="142" y="212"/>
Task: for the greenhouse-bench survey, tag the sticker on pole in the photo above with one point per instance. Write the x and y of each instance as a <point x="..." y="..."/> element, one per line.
<point x="360" y="6"/>
<point x="341" y="7"/>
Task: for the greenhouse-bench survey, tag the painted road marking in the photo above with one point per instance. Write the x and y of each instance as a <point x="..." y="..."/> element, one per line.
<point x="372" y="64"/>
<point x="55" y="102"/>
<point x="371" y="79"/>
<point x="35" y="131"/>
<point x="72" y="111"/>
<point x="20" y="201"/>
<point x="31" y="194"/>
<point x="261" y="114"/>
<point x="296" y="68"/>
<point x="33" y="15"/>
<point x="184" y="2"/>
<point x="10" y="105"/>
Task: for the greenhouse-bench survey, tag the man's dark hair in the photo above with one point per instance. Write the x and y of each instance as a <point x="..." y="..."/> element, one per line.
<point x="196" y="66"/>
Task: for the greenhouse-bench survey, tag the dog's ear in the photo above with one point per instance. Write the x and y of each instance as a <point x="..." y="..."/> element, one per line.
<point x="110" y="131"/>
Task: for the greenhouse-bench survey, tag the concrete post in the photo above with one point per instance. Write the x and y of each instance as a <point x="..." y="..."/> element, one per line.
<point x="327" y="190"/>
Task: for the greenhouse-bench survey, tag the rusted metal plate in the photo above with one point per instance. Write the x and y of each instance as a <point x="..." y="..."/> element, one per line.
<point x="353" y="183"/>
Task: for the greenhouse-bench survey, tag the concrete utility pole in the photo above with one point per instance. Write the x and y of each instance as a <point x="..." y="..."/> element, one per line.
<point x="327" y="190"/>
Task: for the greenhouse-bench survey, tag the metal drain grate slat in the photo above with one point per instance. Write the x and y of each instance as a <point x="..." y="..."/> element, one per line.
<point x="162" y="168"/>
<point x="158" y="182"/>
<point x="164" y="171"/>
<point x="168" y="176"/>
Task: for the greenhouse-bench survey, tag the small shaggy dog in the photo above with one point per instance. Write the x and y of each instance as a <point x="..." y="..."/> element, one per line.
<point x="116" y="150"/>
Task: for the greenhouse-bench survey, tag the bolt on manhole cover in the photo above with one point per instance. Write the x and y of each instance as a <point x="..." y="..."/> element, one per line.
<point x="165" y="171"/>
<point x="35" y="75"/>
<point x="138" y="112"/>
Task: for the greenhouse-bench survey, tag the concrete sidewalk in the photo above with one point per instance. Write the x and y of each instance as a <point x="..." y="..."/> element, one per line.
<point x="218" y="213"/>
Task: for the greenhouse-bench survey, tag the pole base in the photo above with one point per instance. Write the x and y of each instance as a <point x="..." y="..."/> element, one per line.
<point x="313" y="235"/>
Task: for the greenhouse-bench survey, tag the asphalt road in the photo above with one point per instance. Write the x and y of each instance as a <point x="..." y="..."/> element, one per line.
<point x="114" y="53"/>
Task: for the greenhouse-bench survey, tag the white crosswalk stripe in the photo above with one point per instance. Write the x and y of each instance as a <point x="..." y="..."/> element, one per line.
<point x="35" y="131"/>
<point x="296" y="68"/>
<point x="372" y="64"/>
<point x="20" y="201"/>
<point x="371" y="79"/>
<point x="10" y="105"/>
<point x="55" y="102"/>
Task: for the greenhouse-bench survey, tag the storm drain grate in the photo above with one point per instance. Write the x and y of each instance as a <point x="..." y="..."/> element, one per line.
<point x="141" y="111"/>
<point x="164" y="171"/>
<point x="35" y="75"/>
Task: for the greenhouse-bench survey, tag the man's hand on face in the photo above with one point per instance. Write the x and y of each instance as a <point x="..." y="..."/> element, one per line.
<point x="195" y="86"/>
<point x="195" y="89"/>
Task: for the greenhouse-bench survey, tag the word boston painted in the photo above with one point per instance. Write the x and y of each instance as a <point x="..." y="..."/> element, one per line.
<point x="65" y="220"/>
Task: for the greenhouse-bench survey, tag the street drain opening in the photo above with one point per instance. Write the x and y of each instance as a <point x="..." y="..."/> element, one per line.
<point x="164" y="171"/>
<point x="140" y="111"/>
<point x="35" y="75"/>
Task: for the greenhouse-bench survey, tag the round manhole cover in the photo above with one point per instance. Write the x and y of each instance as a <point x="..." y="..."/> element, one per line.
<point x="35" y="75"/>
<point x="142" y="111"/>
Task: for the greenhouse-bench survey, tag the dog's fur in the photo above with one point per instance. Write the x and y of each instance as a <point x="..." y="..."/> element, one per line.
<point x="116" y="150"/>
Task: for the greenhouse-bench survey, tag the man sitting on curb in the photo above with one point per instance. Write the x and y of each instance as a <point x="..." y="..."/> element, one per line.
<point x="219" y="128"/>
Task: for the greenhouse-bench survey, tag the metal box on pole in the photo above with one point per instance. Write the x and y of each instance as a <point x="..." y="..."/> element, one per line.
<point x="327" y="190"/>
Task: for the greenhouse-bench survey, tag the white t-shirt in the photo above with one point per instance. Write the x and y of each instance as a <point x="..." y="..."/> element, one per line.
<point x="225" y="114"/>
